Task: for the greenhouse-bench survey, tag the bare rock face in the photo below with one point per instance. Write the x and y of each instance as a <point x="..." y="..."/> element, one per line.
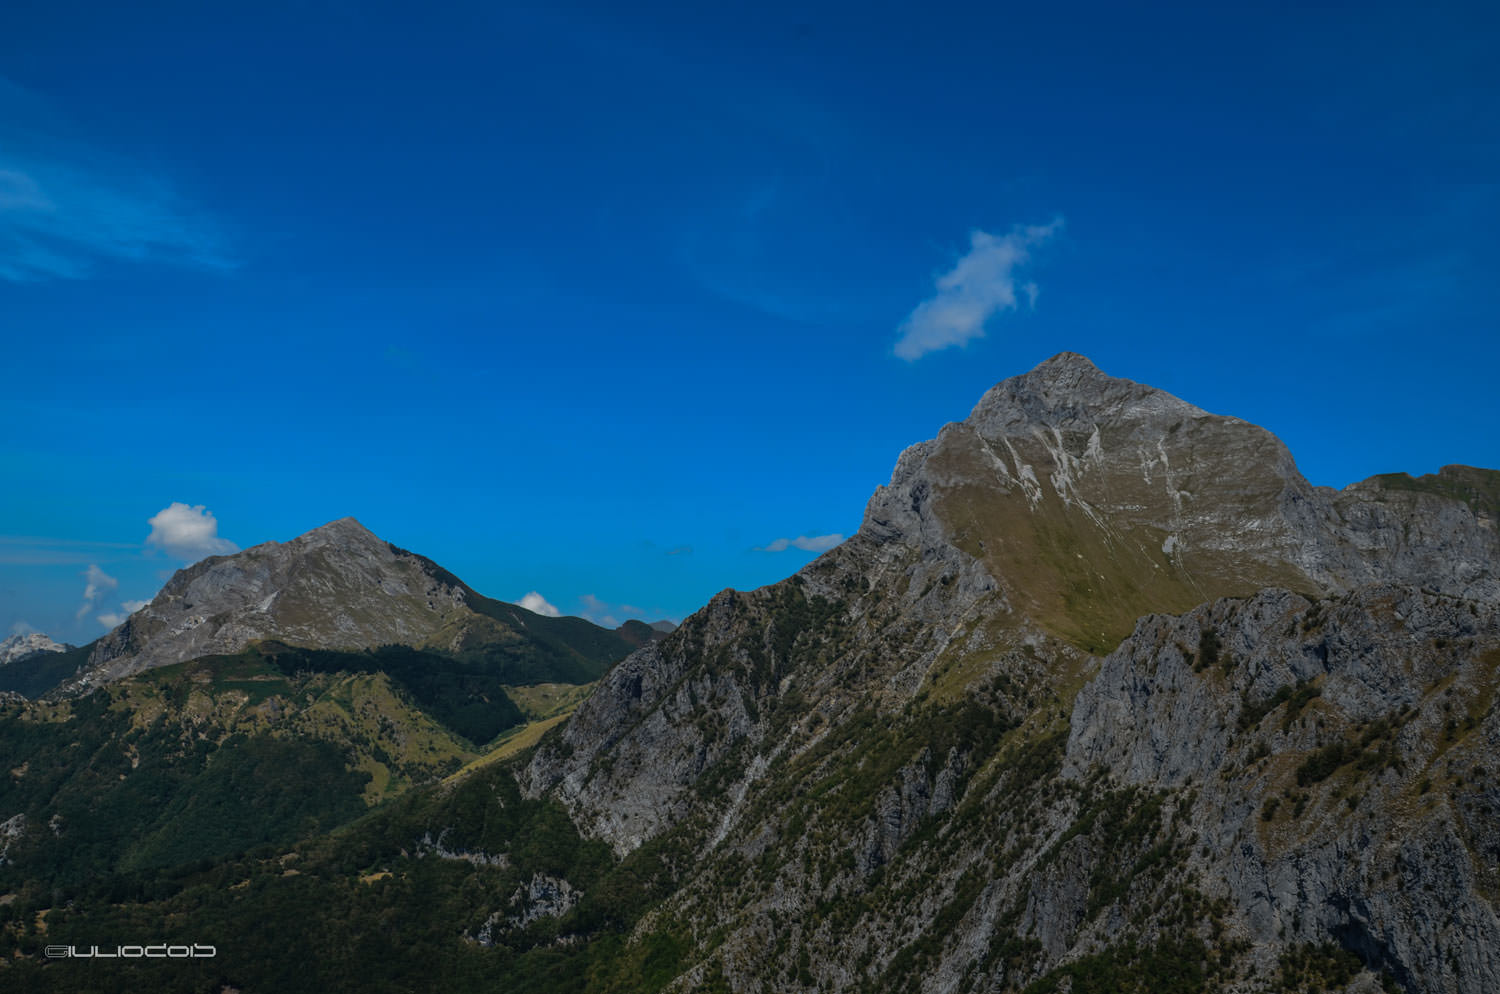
<point x="19" y="647"/>
<point x="1440" y="531"/>
<point x="1338" y="755"/>
<point x="336" y="587"/>
<point x="1100" y="672"/>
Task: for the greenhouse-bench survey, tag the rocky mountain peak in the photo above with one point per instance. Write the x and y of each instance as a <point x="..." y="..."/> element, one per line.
<point x="338" y="586"/>
<point x="19" y="647"/>
<point x="345" y="532"/>
<point x="1091" y="500"/>
<point x="1069" y="392"/>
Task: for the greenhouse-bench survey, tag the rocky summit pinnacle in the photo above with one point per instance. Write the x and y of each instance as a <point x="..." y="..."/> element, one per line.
<point x="1068" y="392"/>
<point x="344" y="531"/>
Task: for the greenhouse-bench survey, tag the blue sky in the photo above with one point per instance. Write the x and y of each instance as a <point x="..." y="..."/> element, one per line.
<point x="625" y="304"/>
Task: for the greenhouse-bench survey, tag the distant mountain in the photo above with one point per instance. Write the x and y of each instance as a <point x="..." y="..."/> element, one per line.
<point x="33" y="664"/>
<point x="340" y="587"/>
<point x="19" y="647"/>
<point x="638" y="633"/>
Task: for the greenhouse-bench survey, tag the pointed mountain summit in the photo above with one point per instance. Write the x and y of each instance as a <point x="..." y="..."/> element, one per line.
<point x="339" y="587"/>
<point x="1092" y="500"/>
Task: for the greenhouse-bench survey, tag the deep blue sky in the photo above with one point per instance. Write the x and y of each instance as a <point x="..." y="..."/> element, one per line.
<point x="603" y="301"/>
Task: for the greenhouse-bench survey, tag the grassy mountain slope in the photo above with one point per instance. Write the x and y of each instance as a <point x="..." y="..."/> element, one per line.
<point x="202" y="760"/>
<point x="525" y="647"/>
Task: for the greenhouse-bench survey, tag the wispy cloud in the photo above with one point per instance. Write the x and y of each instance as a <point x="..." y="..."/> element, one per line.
<point x="982" y="284"/>
<point x="604" y="613"/>
<point x="21" y="628"/>
<point x="99" y="584"/>
<point x="65" y="205"/>
<point x="188" y="532"/>
<point x="31" y="550"/>
<point x="538" y="604"/>
<point x="807" y="543"/>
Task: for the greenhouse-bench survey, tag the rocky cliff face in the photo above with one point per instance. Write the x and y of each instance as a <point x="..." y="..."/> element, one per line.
<point x="1338" y="754"/>
<point x="1438" y="531"/>
<point x="1102" y="683"/>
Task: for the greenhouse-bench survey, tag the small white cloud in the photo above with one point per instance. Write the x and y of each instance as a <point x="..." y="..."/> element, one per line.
<point x="189" y="533"/>
<point x="111" y="619"/>
<point x="99" y="584"/>
<point x="538" y="604"/>
<point x="807" y="543"/>
<point x="981" y="285"/>
<point x="131" y="607"/>
<point x="22" y="628"/>
<point x="599" y="612"/>
<point x="612" y="615"/>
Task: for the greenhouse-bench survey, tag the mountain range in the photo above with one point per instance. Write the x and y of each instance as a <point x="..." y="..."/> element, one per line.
<point x="1102" y="696"/>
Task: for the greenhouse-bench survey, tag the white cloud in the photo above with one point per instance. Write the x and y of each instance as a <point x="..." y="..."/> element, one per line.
<point x="538" y="604"/>
<point x="21" y="628"/>
<point x="981" y="285"/>
<point x="99" y="584"/>
<point x="610" y="615"/>
<point x="109" y="619"/>
<point x="188" y="533"/>
<point x="807" y="543"/>
<point x="31" y="550"/>
<point x="599" y="612"/>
